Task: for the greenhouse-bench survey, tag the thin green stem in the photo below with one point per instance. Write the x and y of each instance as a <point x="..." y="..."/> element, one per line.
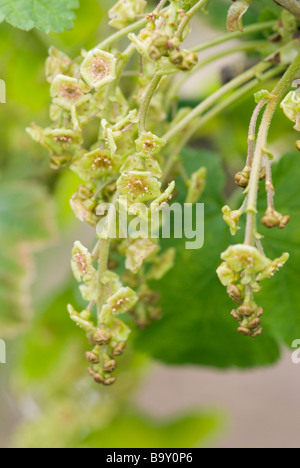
<point x="235" y="35"/>
<point x="277" y="95"/>
<point x="104" y="248"/>
<point x="109" y="41"/>
<point x="188" y="16"/>
<point x="247" y="46"/>
<point x="216" y="110"/>
<point x="147" y="101"/>
<point x="210" y="101"/>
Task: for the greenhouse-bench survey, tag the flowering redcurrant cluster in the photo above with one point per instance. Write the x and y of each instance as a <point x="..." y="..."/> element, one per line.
<point x="121" y="167"/>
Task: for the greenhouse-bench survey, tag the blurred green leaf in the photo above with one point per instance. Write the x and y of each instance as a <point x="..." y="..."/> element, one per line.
<point x="197" y="327"/>
<point x="26" y="214"/>
<point x="15" y="275"/>
<point x="281" y="295"/>
<point x="138" y="431"/>
<point x="56" y="15"/>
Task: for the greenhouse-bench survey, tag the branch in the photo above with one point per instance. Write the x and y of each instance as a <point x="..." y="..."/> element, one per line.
<point x="293" y="6"/>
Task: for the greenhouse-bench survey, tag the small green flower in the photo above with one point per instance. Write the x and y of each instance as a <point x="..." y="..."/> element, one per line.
<point x="227" y="275"/>
<point x="57" y="140"/>
<point x="165" y="197"/>
<point x="273" y="268"/>
<point x="120" y="303"/>
<point x="138" y="186"/>
<point x="83" y="206"/>
<point x="231" y="218"/>
<point x="81" y="319"/>
<point x="82" y="263"/>
<point x="163" y="264"/>
<point x="139" y="251"/>
<point x="197" y="185"/>
<point x="149" y="144"/>
<point x="124" y="12"/>
<point x="57" y="63"/>
<point x="291" y="108"/>
<point x="244" y="257"/>
<point x="68" y="92"/>
<point x="135" y="163"/>
<point x="98" y="68"/>
<point x="99" y="163"/>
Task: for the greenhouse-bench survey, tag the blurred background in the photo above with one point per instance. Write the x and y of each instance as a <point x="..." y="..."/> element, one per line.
<point x="184" y="383"/>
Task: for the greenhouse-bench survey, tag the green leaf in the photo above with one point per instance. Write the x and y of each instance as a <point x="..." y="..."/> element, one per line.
<point x="15" y="273"/>
<point x="26" y="220"/>
<point x="197" y="327"/>
<point x="55" y="15"/>
<point x="26" y="213"/>
<point x="281" y="295"/>
<point x="137" y="431"/>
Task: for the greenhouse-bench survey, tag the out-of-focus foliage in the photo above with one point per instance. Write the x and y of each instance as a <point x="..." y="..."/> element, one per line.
<point x="66" y="409"/>
<point x="56" y="15"/>
<point x="70" y="411"/>
<point x="196" y="327"/>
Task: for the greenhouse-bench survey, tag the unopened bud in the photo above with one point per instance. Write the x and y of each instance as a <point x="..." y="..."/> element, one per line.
<point x="257" y="332"/>
<point x="235" y="315"/>
<point x="110" y="366"/>
<point x="102" y="337"/>
<point x="92" y="357"/>
<point x="242" y="179"/>
<point x="109" y="381"/>
<point x="244" y="331"/>
<point x="119" y="349"/>
<point x="284" y="222"/>
<point x="235" y="293"/>
<point x="245" y="310"/>
<point x="254" y="323"/>
<point x="270" y="221"/>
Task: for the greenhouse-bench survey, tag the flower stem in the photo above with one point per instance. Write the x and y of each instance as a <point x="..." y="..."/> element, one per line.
<point x="224" y="104"/>
<point x="188" y="16"/>
<point x="235" y="35"/>
<point x="104" y="247"/>
<point x="147" y="101"/>
<point x="207" y="103"/>
<point x="277" y="95"/>
<point x="109" y="41"/>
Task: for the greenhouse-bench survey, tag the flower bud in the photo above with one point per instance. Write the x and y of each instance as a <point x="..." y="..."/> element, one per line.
<point x="244" y="331"/>
<point x="270" y="221"/>
<point x="110" y="366"/>
<point x="245" y="310"/>
<point x="235" y="293"/>
<point x="254" y="323"/>
<point x="119" y="349"/>
<point x="284" y="222"/>
<point x="257" y="332"/>
<point x="92" y="358"/>
<point x="231" y="218"/>
<point x="102" y="337"/>
<point x="242" y="178"/>
<point x="197" y="185"/>
<point x="109" y="381"/>
<point x="124" y="12"/>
